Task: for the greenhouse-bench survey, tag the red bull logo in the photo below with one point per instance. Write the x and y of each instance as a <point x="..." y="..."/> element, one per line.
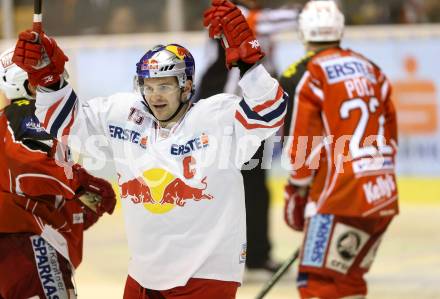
<point x="178" y="51"/>
<point x="149" y="64"/>
<point x="178" y="192"/>
<point x="136" y="190"/>
<point x="160" y="191"/>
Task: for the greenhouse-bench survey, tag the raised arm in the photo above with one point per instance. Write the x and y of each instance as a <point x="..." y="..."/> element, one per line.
<point x="261" y="111"/>
<point x="58" y="108"/>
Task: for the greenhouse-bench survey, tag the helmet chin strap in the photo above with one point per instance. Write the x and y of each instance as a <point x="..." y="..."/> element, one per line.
<point x="181" y="105"/>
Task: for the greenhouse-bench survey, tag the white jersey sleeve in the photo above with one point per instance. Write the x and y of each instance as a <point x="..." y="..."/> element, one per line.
<point x="80" y="124"/>
<point x="256" y="116"/>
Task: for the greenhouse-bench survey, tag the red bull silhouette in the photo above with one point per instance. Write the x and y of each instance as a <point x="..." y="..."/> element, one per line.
<point x="137" y="190"/>
<point x="178" y="192"/>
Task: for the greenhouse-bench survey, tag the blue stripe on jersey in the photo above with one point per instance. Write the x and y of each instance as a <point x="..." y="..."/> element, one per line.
<point x="67" y="109"/>
<point x="268" y="117"/>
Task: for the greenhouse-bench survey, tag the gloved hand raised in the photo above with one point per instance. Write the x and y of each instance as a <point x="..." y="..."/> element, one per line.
<point x="98" y="190"/>
<point x="225" y="20"/>
<point x="294" y="206"/>
<point x="40" y="56"/>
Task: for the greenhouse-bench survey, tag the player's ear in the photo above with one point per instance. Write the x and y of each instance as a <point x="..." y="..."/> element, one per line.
<point x="187" y="89"/>
<point x="30" y="89"/>
<point x="188" y="86"/>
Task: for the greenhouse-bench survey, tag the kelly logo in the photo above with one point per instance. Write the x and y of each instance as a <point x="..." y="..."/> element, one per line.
<point x="383" y="187"/>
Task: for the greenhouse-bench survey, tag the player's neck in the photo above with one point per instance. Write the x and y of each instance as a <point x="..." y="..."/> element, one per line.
<point x="170" y="123"/>
<point x="316" y="47"/>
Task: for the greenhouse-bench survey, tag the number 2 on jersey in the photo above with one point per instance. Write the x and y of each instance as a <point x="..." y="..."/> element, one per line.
<point x="366" y="110"/>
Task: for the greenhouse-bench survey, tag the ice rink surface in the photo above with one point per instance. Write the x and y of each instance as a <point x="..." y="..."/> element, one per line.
<point x="407" y="265"/>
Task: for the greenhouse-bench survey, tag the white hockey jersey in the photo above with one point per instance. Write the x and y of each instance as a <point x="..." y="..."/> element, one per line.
<point x="181" y="189"/>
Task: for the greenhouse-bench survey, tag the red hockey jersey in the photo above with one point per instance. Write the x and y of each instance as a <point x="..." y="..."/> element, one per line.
<point x="28" y="169"/>
<point x="343" y="134"/>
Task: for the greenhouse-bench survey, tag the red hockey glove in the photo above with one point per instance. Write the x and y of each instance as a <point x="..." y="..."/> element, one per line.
<point x="44" y="207"/>
<point x="96" y="187"/>
<point x="43" y="60"/>
<point x="294" y="207"/>
<point x="225" y="20"/>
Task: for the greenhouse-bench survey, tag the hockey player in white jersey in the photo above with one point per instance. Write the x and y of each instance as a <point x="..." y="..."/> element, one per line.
<point x="178" y="163"/>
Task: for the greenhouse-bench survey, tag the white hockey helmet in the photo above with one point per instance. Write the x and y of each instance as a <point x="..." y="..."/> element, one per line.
<point x="321" y="21"/>
<point x="13" y="79"/>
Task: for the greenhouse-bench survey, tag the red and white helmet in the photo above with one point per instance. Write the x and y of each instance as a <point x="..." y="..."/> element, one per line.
<point x="321" y="21"/>
<point x="12" y="78"/>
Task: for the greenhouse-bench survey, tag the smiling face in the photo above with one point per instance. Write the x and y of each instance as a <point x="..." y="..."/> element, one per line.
<point x="164" y="96"/>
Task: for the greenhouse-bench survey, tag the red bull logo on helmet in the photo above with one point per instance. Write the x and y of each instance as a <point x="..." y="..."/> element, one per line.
<point x="178" y="51"/>
<point x="149" y="64"/>
<point x="159" y="191"/>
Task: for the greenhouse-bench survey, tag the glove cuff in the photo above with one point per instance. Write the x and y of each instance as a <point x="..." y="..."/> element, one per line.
<point x="244" y="67"/>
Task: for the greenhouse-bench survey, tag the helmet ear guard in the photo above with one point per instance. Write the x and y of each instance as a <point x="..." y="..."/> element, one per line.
<point x="170" y="60"/>
<point x="321" y="21"/>
<point x="13" y="80"/>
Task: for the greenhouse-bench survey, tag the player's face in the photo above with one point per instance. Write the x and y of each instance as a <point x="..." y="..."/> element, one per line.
<point x="163" y="96"/>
